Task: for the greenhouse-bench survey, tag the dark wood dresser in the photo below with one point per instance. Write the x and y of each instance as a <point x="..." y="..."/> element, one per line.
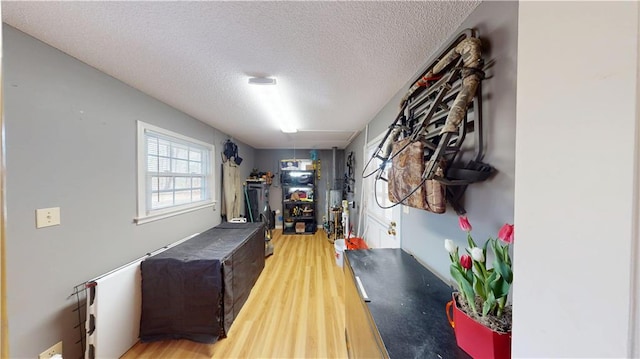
<point x="403" y="313"/>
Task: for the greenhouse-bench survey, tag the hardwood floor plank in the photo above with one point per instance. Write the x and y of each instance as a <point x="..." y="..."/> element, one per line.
<point x="295" y="310"/>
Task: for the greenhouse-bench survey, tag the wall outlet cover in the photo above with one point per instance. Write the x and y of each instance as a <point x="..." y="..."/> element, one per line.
<point x="52" y="351"/>
<point x="46" y="217"/>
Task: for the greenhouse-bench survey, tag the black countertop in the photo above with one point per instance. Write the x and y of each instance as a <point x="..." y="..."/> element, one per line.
<point x="407" y="303"/>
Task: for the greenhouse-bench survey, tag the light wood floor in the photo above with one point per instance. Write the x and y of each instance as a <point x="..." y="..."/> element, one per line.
<point x="295" y="310"/>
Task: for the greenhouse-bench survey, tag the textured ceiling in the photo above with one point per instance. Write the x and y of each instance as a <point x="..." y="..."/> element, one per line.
<point x="337" y="63"/>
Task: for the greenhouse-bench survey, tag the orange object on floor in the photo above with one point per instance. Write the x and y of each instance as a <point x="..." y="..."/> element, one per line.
<point x="356" y="243"/>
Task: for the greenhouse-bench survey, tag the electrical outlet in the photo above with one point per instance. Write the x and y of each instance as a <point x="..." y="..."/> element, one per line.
<point x="49" y="353"/>
<point x="46" y="217"/>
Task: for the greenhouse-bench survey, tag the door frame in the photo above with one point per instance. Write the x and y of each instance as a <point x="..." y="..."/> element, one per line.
<point x="4" y="324"/>
<point x="369" y="215"/>
<point x="634" y="295"/>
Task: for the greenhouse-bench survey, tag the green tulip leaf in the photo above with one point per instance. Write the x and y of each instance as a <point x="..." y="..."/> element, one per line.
<point x="489" y="304"/>
<point x="470" y="241"/>
<point x="504" y="252"/>
<point x="500" y="288"/>
<point x="465" y="285"/>
<point x="490" y="280"/>
<point x="484" y="248"/>
<point x="479" y="287"/>
<point x="506" y="257"/>
<point x="469" y="275"/>
<point x="478" y="267"/>
<point x="503" y="269"/>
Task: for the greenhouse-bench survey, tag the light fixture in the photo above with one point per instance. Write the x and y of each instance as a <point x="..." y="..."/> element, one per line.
<point x="262" y="81"/>
<point x="273" y="102"/>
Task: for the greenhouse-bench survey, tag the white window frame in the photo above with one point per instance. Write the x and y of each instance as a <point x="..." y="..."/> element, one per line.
<point x="144" y="213"/>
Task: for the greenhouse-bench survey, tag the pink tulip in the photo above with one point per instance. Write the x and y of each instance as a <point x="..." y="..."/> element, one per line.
<point x="506" y="233"/>
<point x="464" y="223"/>
<point x="465" y="261"/>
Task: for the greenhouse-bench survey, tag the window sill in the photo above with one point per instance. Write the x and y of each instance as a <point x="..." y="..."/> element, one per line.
<point x="155" y="217"/>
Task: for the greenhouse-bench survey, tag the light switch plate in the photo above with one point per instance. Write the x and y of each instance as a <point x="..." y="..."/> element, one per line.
<point x="49" y="353"/>
<point x="46" y="217"/>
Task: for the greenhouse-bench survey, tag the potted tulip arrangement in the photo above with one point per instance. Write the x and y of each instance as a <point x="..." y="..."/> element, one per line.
<point x="481" y="315"/>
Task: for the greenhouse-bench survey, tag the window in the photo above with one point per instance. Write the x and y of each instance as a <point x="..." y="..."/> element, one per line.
<point x="175" y="173"/>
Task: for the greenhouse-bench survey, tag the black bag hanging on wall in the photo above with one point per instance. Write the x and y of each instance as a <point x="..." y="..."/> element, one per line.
<point x="231" y="150"/>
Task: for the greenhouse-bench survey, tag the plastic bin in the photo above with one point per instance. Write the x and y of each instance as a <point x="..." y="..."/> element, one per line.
<point x="340" y="248"/>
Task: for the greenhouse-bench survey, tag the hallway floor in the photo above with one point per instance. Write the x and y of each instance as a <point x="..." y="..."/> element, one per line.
<point x="295" y="309"/>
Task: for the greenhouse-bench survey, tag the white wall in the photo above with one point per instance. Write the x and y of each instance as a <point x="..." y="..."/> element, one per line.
<point x="575" y="164"/>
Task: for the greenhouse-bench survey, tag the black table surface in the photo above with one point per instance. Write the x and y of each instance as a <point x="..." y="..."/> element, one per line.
<point x="407" y="303"/>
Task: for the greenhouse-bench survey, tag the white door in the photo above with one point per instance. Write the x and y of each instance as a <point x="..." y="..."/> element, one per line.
<point x="382" y="225"/>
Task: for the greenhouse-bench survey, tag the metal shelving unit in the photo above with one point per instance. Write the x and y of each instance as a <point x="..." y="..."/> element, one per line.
<point x="298" y="202"/>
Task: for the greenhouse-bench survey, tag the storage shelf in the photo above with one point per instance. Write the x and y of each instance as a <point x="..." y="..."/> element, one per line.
<point x="299" y="233"/>
<point x="299" y="202"/>
<point x="289" y="207"/>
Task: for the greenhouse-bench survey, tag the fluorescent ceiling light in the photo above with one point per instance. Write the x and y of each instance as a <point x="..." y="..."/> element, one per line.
<point x="273" y="103"/>
<point x="262" y="81"/>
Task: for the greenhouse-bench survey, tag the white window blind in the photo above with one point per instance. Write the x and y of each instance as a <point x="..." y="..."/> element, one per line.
<point x="174" y="173"/>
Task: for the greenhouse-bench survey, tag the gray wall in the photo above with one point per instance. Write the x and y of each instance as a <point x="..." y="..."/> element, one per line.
<point x="269" y="160"/>
<point x="489" y="204"/>
<point x="71" y="142"/>
<point x="357" y="146"/>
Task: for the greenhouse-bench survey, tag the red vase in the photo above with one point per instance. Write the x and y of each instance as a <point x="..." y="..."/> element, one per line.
<point x="475" y="339"/>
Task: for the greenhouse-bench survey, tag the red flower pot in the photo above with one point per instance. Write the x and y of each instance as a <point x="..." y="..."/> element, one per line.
<point x="475" y="339"/>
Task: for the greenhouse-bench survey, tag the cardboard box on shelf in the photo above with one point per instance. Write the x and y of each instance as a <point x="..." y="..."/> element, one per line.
<point x="289" y="165"/>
